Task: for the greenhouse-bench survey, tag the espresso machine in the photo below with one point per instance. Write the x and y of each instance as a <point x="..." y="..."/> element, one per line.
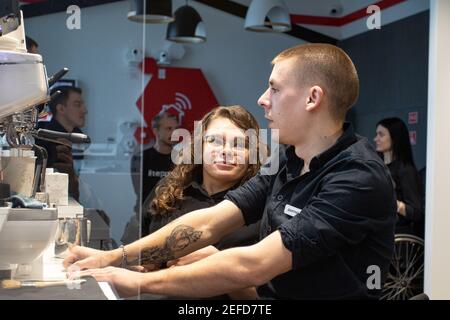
<point x="28" y="224"/>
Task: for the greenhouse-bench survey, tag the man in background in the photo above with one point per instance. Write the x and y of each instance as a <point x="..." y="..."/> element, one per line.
<point x="32" y="46"/>
<point x="156" y="164"/>
<point x="68" y="115"/>
<point x="157" y="160"/>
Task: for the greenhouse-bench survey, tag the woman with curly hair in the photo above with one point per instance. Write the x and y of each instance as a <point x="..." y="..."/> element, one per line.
<point x="224" y="167"/>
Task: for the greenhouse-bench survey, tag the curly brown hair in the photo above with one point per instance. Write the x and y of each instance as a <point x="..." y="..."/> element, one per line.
<point x="170" y="190"/>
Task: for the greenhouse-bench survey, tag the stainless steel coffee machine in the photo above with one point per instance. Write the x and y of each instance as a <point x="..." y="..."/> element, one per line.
<point x="25" y="231"/>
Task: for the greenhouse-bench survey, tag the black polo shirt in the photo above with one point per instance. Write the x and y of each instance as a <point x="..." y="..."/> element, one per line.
<point x="194" y="198"/>
<point x="53" y="125"/>
<point x="337" y="220"/>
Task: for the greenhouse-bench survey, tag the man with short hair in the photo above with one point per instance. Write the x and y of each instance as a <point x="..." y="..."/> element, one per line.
<point x="157" y="160"/>
<point x="156" y="164"/>
<point x="328" y="215"/>
<point x="68" y="115"/>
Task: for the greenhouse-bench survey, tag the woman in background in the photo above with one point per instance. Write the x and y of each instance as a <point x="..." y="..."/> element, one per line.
<point x="392" y="141"/>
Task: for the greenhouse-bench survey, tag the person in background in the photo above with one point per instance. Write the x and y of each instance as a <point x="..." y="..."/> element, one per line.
<point x="32" y="46"/>
<point x="156" y="164"/>
<point x="392" y="141"/>
<point x="327" y="215"/>
<point x="68" y="115"/>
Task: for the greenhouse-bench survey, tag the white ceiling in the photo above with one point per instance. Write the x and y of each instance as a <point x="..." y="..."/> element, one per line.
<point x="320" y="7"/>
<point x="323" y="7"/>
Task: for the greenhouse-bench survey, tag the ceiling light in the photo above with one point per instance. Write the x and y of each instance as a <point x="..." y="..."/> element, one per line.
<point x="188" y="26"/>
<point x="268" y="16"/>
<point x="151" y="11"/>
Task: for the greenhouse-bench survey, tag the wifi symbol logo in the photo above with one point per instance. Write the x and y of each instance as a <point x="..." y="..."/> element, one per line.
<point x="182" y="103"/>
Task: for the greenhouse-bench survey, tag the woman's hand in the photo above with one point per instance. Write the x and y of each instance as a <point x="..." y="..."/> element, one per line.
<point x="193" y="257"/>
<point x="80" y="258"/>
<point x="401" y="208"/>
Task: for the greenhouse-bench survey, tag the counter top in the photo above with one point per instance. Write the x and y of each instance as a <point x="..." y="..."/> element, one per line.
<point x="53" y="270"/>
<point x="72" y="210"/>
<point x="89" y="290"/>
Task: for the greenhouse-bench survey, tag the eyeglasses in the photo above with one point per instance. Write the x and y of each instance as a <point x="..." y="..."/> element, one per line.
<point x="218" y="141"/>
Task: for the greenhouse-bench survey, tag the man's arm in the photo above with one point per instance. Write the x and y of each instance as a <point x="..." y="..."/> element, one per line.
<point x="220" y="273"/>
<point x="184" y="235"/>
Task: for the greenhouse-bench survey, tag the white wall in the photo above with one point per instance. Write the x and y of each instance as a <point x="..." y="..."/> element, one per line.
<point x="235" y="62"/>
<point x="437" y="253"/>
<point x="95" y="55"/>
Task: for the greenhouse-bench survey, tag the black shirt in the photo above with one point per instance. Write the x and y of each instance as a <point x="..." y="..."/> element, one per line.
<point x="337" y="220"/>
<point x="196" y="197"/>
<point x="52" y="158"/>
<point x="408" y="190"/>
<point x="54" y="125"/>
<point x="155" y="166"/>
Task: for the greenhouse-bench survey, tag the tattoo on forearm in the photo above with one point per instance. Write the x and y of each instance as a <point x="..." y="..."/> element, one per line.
<point x="180" y="237"/>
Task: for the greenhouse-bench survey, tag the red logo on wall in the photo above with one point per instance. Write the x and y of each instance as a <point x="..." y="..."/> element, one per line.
<point x="413" y="117"/>
<point x="413" y="137"/>
<point x="184" y="92"/>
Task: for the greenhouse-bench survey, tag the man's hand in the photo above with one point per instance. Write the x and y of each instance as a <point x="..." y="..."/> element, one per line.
<point x="127" y="283"/>
<point x="80" y="258"/>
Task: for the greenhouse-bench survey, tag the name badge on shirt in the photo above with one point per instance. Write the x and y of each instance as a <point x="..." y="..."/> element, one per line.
<point x="291" y="210"/>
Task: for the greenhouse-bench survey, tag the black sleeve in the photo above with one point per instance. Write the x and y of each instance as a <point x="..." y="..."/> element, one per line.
<point x="135" y="173"/>
<point x="351" y="204"/>
<point x="411" y="193"/>
<point x="51" y="151"/>
<point x="251" y="197"/>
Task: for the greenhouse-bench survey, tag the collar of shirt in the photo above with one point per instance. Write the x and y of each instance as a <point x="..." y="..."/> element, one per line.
<point x="295" y="164"/>
<point x="56" y="126"/>
<point x="196" y="186"/>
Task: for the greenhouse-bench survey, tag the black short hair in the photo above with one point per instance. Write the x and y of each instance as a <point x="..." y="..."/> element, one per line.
<point x="30" y="43"/>
<point x="62" y="97"/>
<point x="162" y="114"/>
